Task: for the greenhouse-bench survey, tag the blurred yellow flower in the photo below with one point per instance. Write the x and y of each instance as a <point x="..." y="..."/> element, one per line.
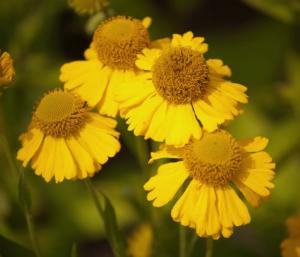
<point x="290" y="247"/>
<point x="177" y="90"/>
<point x="88" y="6"/>
<point x="215" y="166"/>
<point x="141" y="241"/>
<point x="7" y="71"/>
<point x="109" y="60"/>
<point x="67" y="141"/>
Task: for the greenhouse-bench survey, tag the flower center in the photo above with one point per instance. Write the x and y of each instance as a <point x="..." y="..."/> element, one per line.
<point x="118" y="40"/>
<point x="60" y="114"/>
<point x="180" y="75"/>
<point x="214" y="159"/>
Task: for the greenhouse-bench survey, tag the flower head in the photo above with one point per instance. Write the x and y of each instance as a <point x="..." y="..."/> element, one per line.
<point x="7" y="71"/>
<point x="109" y="60"/>
<point x="88" y="6"/>
<point x="214" y="167"/>
<point x="290" y="247"/>
<point x="65" y="140"/>
<point x="179" y="86"/>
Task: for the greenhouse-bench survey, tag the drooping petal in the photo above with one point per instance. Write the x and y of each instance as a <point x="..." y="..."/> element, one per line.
<point x="31" y="141"/>
<point x="133" y="91"/>
<point x="161" y="190"/>
<point x="232" y="211"/>
<point x="99" y="144"/>
<point x="89" y="79"/>
<point x="87" y="166"/>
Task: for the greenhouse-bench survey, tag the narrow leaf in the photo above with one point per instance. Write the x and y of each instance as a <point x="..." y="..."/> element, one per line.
<point x="114" y="235"/>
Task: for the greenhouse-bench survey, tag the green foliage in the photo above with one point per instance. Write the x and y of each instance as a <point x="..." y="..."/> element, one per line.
<point x="10" y="248"/>
<point x="113" y="233"/>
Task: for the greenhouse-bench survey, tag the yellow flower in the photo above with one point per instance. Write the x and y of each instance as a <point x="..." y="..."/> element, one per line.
<point x="7" y="71"/>
<point x="291" y="247"/>
<point x="65" y="140"/>
<point x="214" y="167"/>
<point x="140" y="242"/>
<point x="88" y="6"/>
<point x="178" y="90"/>
<point x="109" y="60"/>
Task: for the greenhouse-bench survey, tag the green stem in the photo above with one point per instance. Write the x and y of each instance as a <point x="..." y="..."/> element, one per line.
<point x="8" y="155"/>
<point x="209" y="247"/>
<point x="31" y="231"/>
<point x="192" y="244"/>
<point x="7" y="151"/>
<point x="141" y="152"/>
<point x="182" y="241"/>
<point x="93" y="193"/>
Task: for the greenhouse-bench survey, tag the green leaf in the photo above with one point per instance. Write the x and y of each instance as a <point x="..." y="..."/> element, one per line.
<point x="10" y="248"/>
<point x="114" y="235"/>
<point x="24" y="193"/>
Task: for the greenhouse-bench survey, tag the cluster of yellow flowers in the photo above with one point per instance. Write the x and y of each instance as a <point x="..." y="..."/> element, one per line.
<point x="169" y="92"/>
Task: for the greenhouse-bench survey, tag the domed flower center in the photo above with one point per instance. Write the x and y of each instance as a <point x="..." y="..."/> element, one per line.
<point x="180" y="75"/>
<point x="118" y="41"/>
<point x="60" y="114"/>
<point x="214" y="159"/>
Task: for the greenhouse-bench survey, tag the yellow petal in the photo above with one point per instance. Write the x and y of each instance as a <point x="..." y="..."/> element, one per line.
<point x="234" y="90"/>
<point x="232" y="211"/>
<point x="31" y="142"/>
<point x="64" y="164"/>
<point x="187" y="39"/>
<point x="86" y="78"/>
<point x="166" y="183"/>
<point x="217" y="68"/>
<point x="147" y="22"/>
<point x="146" y="60"/>
<point x="86" y="165"/>
<point x="165" y="152"/>
<point x="258" y="180"/>
<point x="208" y="116"/>
<point x="90" y="53"/>
<point x="139" y="118"/>
<point x="133" y="91"/>
<point x="161" y="43"/>
<point x="99" y="144"/>
<point x="177" y="133"/>
<point x="183" y="210"/>
<point x="108" y="104"/>
<point x="206" y="213"/>
<point x="254" y="145"/>
<point x="167" y="123"/>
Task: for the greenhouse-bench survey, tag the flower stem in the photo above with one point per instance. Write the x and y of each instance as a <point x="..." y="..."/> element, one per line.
<point x="12" y="164"/>
<point x="182" y="242"/>
<point x="31" y="231"/>
<point x="93" y="193"/>
<point x="192" y="244"/>
<point x="209" y="247"/>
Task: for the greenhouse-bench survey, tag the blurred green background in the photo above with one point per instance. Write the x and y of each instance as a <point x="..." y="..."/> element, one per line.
<point x="258" y="39"/>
